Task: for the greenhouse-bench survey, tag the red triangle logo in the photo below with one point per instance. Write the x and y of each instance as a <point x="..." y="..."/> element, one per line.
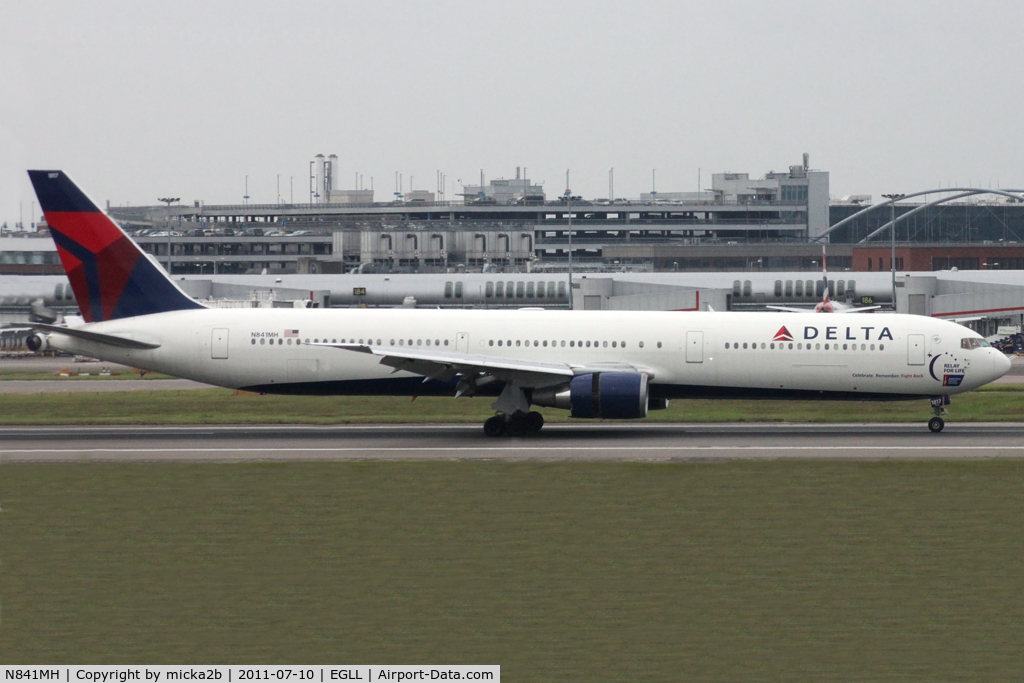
<point x="782" y="335"/>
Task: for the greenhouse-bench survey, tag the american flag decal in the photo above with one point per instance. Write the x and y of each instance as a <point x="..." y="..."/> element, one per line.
<point x="291" y="333"/>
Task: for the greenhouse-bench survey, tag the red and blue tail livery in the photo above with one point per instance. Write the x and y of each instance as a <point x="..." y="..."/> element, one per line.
<point x="111" y="277"/>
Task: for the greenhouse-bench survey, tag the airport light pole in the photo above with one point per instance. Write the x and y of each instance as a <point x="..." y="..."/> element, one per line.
<point x="568" y="201"/>
<point x="167" y="226"/>
<point x="893" y="198"/>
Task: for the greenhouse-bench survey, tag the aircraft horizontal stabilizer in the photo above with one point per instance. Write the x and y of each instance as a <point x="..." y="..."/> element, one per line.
<point x="97" y="337"/>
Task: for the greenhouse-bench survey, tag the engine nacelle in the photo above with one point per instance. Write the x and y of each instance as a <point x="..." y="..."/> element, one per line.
<point x="613" y="395"/>
<point x="37" y="342"/>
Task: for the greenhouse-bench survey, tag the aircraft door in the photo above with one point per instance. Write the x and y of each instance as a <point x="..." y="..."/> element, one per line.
<point x="219" y="343"/>
<point x="462" y="343"/>
<point x="915" y="349"/>
<point x="695" y="346"/>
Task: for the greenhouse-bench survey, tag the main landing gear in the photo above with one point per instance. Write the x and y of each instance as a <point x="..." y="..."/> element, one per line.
<point x="519" y="424"/>
<point x="938" y="410"/>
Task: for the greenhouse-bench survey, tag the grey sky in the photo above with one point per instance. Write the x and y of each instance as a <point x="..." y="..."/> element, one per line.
<point x="139" y="101"/>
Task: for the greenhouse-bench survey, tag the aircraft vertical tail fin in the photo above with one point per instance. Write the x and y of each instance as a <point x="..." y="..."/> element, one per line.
<point x="110" y="275"/>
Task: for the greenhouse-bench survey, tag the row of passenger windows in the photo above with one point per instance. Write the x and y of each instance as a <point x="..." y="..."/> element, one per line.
<point x="789" y="288"/>
<point x="512" y="290"/>
<point x="571" y="343"/>
<point x="800" y="346"/>
<point x="399" y="342"/>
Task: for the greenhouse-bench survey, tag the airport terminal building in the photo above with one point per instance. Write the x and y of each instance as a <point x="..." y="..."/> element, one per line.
<point x="747" y="243"/>
<point x="508" y="225"/>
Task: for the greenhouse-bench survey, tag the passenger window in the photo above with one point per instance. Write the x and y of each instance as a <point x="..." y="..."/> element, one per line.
<point x="851" y="287"/>
<point x="810" y="288"/>
<point x="799" y="288"/>
<point x="551" y="290"/>
<point x="489" y="290"/>
<point x="540" y="290"/>
<point x="447" y="290"/>
<point x="508" y="290"/>
<point x="561" y="290"/>
<point x="778" y="288"/>
<point x="736" y="285"/>
<point x="529" y="290"/>
<point x="789" y="288"/>
<point x="520" y="286"/>
<point x="746" y="288"/>
<point x="499" y="289"/>
<point x="458" y="290"/>
<point x="840" y="287"/>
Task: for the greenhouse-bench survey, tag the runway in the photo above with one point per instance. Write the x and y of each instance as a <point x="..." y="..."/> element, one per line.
<point x="557" y="442"/>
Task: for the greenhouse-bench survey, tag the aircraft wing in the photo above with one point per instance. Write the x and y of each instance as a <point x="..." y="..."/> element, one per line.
<point x="445" y="365"/>
<point x="790" y="309"/>
<point x="855" y="309"/>
<point x="97" y="337"/>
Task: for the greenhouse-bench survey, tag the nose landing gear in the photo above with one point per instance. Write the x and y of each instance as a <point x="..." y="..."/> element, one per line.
<point x="518" y="424"/>
<point x="936" y="423"/>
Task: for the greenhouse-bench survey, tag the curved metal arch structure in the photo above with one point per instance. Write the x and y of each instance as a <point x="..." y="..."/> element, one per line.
<point x="942" y="200"/>
<point x="965" y="192"/>
<point x="910" y="213"/>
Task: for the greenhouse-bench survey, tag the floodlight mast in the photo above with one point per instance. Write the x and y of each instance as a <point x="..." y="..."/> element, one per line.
<point x="167" y="226"/>
<point x="568" y="197"/>
<point x="893" y="198"/>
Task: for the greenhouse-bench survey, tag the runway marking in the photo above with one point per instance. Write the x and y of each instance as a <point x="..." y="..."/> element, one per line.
<point x="431" y="449"/>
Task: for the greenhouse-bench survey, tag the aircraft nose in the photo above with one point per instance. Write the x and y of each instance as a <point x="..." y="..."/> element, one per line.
<point x="1000" y="364"/>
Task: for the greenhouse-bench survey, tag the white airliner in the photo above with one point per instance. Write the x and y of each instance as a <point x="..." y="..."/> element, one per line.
<point x="596" y="364"/>
<point x="826" y="305"/>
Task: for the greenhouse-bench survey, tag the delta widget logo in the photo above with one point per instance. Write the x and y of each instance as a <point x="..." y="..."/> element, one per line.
<point x="782" y="335"/>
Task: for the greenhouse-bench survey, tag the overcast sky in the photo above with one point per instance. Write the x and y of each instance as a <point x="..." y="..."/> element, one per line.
<point x="139" y="101"/>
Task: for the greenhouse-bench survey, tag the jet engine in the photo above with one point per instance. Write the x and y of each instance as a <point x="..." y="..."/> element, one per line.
<point x="614" y="395"/>
<point x="37" y="342"/>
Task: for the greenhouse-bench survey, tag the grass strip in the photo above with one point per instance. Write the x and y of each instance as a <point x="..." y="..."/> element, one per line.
<point x="222" y="406"/>
<point x="559" y="572"/>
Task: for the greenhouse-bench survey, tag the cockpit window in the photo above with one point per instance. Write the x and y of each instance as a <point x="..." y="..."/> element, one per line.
<point x="983" y="343"/>
<point x="972" y="343"/>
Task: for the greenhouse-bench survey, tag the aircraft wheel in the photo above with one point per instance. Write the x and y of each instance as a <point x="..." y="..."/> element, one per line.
<point x="517" y="426"/>
<point x="936" y="424"/>
<point x="495" y="426"/>
<point x="534" y="421"/>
